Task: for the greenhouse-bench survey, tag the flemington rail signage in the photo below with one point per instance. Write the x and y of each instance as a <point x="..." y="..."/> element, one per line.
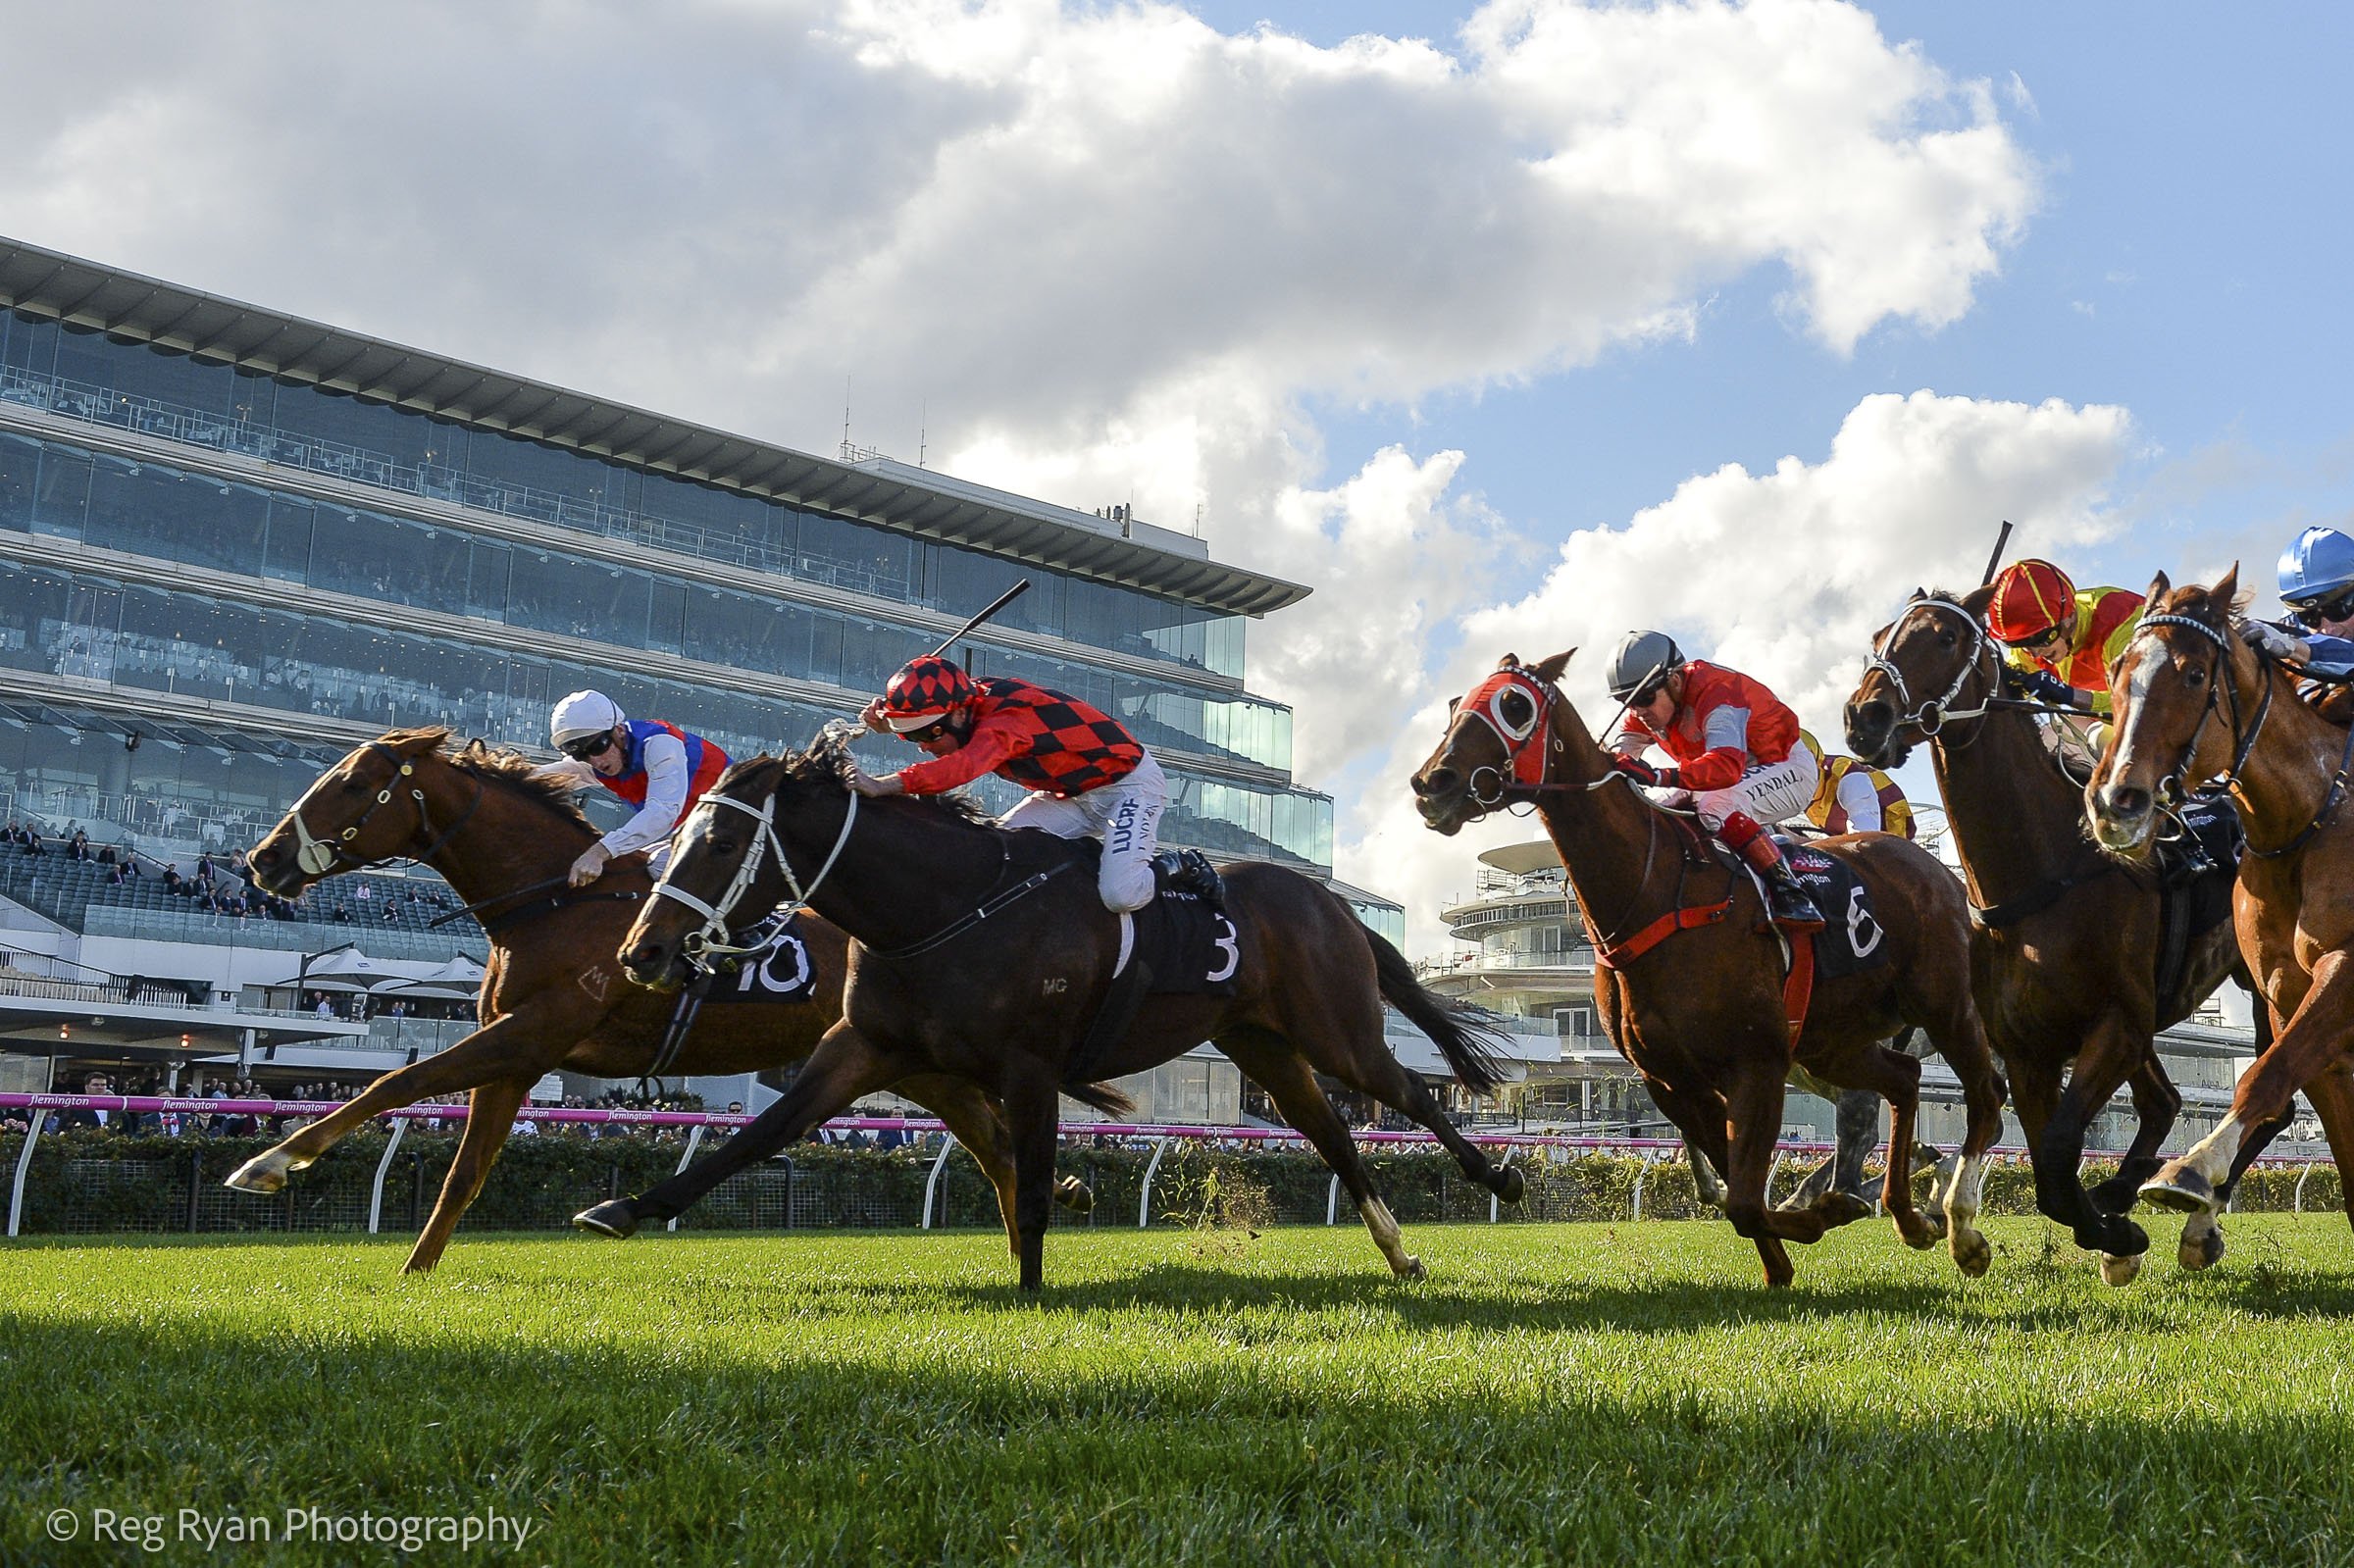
<point x="1159" y="1136"/>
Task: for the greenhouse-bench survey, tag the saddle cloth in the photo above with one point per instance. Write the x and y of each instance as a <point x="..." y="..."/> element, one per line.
<point x="1851" y="939"/>
<point x="779" y="970"/>
<point x="1187" y="946"/>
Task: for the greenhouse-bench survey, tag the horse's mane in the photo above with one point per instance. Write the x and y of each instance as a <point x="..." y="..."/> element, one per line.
<point x="826" y="760"/>
<point x="502" y="766"/>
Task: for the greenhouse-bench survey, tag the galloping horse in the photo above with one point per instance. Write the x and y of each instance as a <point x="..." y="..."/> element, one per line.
<point x="1692" y="992"/>
<point x="2194" y="702"/>
<point x="2063" y="936"/>
<point x="976" y="957"/>
<point x="552" y="992"/>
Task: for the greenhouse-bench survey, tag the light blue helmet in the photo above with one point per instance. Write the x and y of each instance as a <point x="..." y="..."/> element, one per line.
<point x="2321" y="563"/>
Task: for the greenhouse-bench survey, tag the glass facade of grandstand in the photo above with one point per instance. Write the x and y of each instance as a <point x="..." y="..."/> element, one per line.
<point x="282" y="554"/>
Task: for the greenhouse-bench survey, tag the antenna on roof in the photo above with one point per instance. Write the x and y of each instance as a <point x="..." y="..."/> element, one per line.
<point x="845" y="415"/>
<point x="923" y="429"/>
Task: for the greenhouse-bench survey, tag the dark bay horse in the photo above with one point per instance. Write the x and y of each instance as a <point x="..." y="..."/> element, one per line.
<point x="1003" y="1001"/>
<point x="1699" y="1013"/>
<point x="554" y="995"/>
<point x="2063" y="936"/>
<point x="2195" y="704"/>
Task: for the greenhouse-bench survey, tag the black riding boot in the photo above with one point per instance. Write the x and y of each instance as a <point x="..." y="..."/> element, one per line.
<point x="1189" y="871"/>
<point x="1787" y="899"/>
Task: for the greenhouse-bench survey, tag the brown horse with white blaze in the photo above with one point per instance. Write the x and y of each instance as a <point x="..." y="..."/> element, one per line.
<point x="1700" y="1011"/>
<point x="554" y="995"/>
<point x="2194" y="701"/>
<point x="2062" y="935"/>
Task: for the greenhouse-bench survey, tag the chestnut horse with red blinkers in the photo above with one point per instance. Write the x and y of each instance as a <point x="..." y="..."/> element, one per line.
<point x="554" y="995"/>
<point x="1690" y="982"/>
<point x="2195" y="702"/>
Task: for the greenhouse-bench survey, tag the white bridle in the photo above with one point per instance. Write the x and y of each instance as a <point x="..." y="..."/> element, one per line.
<point x="1931" y="716"/>
<point x="711" y="939"/>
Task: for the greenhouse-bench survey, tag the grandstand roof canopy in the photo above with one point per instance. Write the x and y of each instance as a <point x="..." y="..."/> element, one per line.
<point x="874" y="491"/>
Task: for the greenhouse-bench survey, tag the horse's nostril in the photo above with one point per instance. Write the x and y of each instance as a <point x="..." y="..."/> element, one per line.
<point x="1434" y="782"/>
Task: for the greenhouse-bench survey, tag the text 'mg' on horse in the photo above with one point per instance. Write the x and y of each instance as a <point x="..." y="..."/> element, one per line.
<point x="1700" y="1012"/>
<point x="1005" y="1002"/>
<point x="2195" y="704"/>
<point x="552" y="992"/>
<point x="2063" y="934"/>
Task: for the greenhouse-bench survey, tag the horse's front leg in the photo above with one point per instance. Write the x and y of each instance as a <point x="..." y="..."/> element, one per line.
<point x="2313" y="1040"/>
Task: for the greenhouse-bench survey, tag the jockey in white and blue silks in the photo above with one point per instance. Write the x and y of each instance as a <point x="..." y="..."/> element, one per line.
<point x="657" y="767"/>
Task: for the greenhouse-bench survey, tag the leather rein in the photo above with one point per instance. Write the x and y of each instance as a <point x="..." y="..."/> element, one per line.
<point x="2220" y="690"/>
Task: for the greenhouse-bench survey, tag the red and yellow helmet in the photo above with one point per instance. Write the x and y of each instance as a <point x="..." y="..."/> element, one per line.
<point x="924" y="691"/>
<point x="2030" y="598"/>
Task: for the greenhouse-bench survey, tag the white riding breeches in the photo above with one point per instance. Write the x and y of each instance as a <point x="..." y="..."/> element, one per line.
<point x="1125" y="814"/>
<point x="1768" y="794"/>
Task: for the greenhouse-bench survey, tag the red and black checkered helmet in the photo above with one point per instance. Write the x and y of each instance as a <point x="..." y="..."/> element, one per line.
<point x="925" y="691"/>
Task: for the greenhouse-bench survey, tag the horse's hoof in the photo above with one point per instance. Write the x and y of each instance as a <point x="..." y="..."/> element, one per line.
<point x="2179" y="1187"/>
<point x="1920" y="1238"/>
<point x="614" y="1218"/>
<point x="1074" y="1194"/>
<point x="264" y="1173"/>
<point x="1841" y="1208"/>
<point x="1935" y="1220"/>
<point x="1413" y="1269"/>
<point x="2201" y="1252"/>
<point x="2120" y="1269"/>
<point x="1511" y="1187"/>
<point x="1973" y="1255"/>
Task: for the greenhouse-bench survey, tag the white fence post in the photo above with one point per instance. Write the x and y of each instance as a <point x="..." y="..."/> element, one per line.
<point x="695" y="1138"/>
<point x="2299" y="1199"/>
<point x="948" y="1142"/>
<point x="1332" y="1202"/>
<point x="1641" y="1173"/>
<point x="1144" y="1199"/>
<point x="376" y="1193"/>
<point x="16" y="1192"/>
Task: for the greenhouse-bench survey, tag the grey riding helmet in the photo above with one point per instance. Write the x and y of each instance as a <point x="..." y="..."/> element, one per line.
<point x="1641" y="657"/>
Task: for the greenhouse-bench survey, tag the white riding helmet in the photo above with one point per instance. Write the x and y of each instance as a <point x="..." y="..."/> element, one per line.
<point x="580" y="715"/>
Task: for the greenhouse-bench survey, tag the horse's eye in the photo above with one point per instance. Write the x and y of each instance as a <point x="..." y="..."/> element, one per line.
<point x="352" y="786"/>
<point x="1515" y="708"/>
<point x="2195" y="678"/>
<point x="1945" y="639"/>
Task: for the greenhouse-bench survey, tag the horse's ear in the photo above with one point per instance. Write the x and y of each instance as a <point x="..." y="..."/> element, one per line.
<point x="1921" y="594"/>
<point x="1510" y="661"/>
<point x="1550" y="670"/>
<point x="1978" y="600"/>
<point x="2160" y="586"/>
<point x="2226" y="587"/>
<point x="415" y="742"/>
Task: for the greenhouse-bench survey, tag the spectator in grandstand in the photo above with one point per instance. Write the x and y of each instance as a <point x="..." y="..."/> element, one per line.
<point x="87" y="1119"/>
<point x="79" y="846"/>
<point x="343" y="914"/>
<point x="204" y="869"/>
<point x="115" y="877"/>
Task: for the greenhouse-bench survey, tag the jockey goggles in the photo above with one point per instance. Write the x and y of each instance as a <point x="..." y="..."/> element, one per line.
<point x="2311" y="614"/>
<point x="596" y="746"/>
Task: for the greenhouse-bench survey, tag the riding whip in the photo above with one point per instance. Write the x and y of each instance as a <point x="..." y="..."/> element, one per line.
<point x="1993" y="561"/>
<point x="998" y="603"/>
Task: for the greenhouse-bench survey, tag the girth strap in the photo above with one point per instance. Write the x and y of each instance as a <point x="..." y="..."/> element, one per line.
<point x="1689" y="918"/>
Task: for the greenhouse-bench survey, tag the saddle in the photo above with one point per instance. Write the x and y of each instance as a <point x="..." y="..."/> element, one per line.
<point x="1182" y="943"/>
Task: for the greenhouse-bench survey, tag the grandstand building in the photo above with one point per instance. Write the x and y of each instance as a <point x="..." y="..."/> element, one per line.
<point x="1520" y="948"/>
<point x="234" y="543"/>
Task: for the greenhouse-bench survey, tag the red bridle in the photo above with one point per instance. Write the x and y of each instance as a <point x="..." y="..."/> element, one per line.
<point x="1524" y="743"/>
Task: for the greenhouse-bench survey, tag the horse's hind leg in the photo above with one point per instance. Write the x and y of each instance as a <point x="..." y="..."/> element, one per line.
<point x="490" y="1118"/>
<point x="1961" y="1039"/>
<point x="2202" y="1243"/>
<point x="1032" y="1104"/>
<point x="1291" y="1085"/>
<point x="1359" y="1059"/>
<point x="2110" y="1053"/>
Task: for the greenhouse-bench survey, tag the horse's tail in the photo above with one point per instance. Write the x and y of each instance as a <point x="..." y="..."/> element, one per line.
<point x="1474" y="1053"/>
<point x="1103" y="1097"/>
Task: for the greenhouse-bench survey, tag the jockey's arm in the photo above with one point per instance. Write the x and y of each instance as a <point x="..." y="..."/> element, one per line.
<point x="665" y="760"/>
<point x="994" y="741"/>
<point x="569" y="772"/>
<point x="1726" y="732"/>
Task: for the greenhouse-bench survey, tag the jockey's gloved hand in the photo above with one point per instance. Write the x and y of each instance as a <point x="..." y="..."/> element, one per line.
<point x="2045" y="686"/>
<point x="1643" y="773"/>
<point x="2272" y="640"/>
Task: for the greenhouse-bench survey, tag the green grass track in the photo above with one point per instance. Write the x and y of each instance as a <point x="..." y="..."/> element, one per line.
<point x="1553" y="1393"/>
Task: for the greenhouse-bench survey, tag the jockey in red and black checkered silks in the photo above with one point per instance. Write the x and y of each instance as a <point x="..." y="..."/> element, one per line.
<point x="1087" y="776"/>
